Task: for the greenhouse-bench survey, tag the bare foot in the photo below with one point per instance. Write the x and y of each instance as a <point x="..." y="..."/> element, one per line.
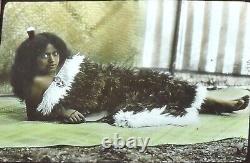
<point x="233" y="105"/>
<point x="224" y="106"/>
<point x="246" y="102"/>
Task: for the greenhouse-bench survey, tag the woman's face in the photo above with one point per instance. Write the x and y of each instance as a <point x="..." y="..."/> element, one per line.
<point x="47" y="63"/>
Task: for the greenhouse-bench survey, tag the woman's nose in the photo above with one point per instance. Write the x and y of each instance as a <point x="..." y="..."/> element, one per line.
<point x="51" y="58"/>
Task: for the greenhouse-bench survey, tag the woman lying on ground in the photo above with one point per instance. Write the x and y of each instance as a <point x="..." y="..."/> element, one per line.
<point x="58" y="86"/>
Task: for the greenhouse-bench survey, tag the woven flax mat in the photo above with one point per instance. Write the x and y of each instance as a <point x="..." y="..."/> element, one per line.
<point x="17" y="132"/>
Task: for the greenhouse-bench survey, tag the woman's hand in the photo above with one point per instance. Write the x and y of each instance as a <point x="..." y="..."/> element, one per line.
<point x="71" y="115"/>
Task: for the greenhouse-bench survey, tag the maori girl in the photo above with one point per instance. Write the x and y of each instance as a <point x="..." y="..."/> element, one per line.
<point x="56" y="85"/>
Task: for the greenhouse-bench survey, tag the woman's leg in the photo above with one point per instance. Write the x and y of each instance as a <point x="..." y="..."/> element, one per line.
<point x="214" y="105"/>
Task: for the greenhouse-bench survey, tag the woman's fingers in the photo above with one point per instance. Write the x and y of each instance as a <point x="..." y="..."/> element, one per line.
<point x="77" y="117"/>
<point x="82" y="118"/>
<point x="73" y="116"/>
<point x="71" y="119"/>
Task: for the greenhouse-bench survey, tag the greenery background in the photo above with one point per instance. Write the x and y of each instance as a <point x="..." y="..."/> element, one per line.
<point x="107" y="31"/>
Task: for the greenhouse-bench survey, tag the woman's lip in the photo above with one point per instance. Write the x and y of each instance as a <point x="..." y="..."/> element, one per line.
<point x="52" y="66"/>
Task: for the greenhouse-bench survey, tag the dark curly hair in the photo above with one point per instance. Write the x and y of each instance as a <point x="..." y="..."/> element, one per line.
<point x="24" y="68"/>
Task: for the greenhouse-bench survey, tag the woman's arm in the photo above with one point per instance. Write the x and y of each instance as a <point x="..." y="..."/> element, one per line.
<point x="67" y="115"/>
<point x="60" y="112"/>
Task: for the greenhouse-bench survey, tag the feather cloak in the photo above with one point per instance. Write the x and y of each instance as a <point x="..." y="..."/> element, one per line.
<point x="133" y="97"/>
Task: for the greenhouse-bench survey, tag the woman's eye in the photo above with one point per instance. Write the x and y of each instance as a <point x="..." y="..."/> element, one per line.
<point x="55" y="53"/>
<point x="44" y="56"/>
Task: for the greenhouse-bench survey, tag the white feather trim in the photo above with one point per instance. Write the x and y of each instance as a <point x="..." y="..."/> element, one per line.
<point x="155" y="118"/>
<point x="201" y="93"/>
<point x="54" y="92"/>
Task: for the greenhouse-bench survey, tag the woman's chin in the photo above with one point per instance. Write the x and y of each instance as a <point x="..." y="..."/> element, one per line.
<point x="52" y="72"/>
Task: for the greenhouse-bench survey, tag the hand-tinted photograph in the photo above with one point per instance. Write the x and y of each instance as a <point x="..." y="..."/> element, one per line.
<point x="124" y="81"/>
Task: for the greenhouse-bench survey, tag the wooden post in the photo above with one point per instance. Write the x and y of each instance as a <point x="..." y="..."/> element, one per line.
<point x="175" y="39"/>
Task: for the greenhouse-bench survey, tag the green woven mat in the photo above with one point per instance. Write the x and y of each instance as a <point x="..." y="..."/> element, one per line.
<point x="17" y="132"/>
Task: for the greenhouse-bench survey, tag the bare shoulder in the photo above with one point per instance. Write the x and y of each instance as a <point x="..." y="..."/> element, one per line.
<point x="38" y="87"/>
<point x="42" y="81"/>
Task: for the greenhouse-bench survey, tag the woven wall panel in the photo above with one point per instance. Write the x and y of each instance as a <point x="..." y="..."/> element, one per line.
<point x="106" y="31"/>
